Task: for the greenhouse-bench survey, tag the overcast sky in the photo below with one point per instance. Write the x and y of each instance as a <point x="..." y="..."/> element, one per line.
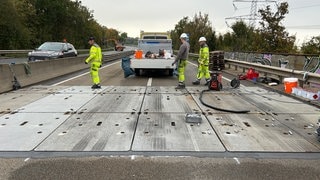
<point x="131" y="16"/>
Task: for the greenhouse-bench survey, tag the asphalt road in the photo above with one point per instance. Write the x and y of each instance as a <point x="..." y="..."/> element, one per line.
<point x="158" y="168"/>
<point x="164" y="166"/>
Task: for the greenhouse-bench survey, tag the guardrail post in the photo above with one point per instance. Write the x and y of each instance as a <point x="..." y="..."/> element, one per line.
<point x="280" y="79"/>
<point x="301" y="83"/>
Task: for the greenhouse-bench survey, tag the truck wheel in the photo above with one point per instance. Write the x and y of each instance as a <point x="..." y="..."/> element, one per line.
<point x="170" y="72"/>
<point x="137" y="71"/>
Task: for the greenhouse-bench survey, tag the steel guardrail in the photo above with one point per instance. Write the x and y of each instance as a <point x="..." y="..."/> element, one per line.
<point x="25" y="51"/>
<point x="303" y="76"/>
<point x="117" y="55"/>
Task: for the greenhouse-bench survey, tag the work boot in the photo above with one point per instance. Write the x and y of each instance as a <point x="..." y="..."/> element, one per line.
<point x="207" y="82"/>
<point x="180" y="86"/>
<point x="96" y="86"/>
<point x="196" y="82"/>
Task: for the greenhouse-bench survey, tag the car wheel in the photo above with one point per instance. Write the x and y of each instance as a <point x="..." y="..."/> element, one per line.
<point x="137" y="71"/>
<point x="31" y="59"/>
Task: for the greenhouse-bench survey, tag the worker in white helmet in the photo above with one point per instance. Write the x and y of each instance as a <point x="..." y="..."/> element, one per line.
<point x="181" y="59"/>
<point x="203" y="62"/>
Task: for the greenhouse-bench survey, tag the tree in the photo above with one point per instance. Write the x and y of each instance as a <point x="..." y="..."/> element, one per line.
<point x="123" y="37"/>
<point x="197" y="27"/>
<point x="312" y="46"/>
<point x="242" y="36"/>
<point x="13" y="34"/>
<point x="180" y="28"/>
<point x="274" y="34"/>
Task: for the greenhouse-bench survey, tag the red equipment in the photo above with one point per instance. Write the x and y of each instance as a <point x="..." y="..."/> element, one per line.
<point x="216" y="81"/>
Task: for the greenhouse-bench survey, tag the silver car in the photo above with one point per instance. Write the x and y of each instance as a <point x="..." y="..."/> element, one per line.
<point x="52" y="50"/>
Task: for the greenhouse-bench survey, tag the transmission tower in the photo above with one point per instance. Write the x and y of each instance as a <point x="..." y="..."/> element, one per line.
<point x="253" y="16"/>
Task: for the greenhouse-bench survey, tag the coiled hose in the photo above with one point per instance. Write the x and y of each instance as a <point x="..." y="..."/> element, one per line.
<point x="220" y="109"/>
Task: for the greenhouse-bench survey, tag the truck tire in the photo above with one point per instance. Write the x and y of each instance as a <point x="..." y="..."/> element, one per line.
<point x="170" y="72"/>
<point x="137" y="71"/>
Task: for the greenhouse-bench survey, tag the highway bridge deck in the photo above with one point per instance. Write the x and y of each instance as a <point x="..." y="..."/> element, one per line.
<point x="152" y="119"/>
<point x="135" y="128"/>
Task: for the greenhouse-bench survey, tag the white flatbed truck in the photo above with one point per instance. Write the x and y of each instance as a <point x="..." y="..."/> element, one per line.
<point x="158" y="46"/>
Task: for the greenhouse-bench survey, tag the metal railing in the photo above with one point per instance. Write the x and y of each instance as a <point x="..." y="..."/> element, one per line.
<point x="117" y="55"/>
<point x="25" y="51"/>
<point x="281" y="73"/>
<point x="304" y="77"/>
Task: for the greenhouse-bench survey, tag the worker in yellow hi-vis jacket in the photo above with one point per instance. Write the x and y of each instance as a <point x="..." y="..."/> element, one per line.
<point x="95" y="59"/>
<point x="203" y="67"/>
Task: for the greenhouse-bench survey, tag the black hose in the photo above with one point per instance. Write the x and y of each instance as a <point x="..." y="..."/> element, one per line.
<point x="219" y="109"/>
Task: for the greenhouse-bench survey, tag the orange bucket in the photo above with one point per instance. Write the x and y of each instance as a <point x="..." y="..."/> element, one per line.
<point x="290" y="83"/>
<point x="138" y="54"/>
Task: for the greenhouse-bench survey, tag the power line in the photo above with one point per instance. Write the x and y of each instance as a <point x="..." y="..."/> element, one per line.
<point x="302" y="7"/>
<point x="304" y="27"/>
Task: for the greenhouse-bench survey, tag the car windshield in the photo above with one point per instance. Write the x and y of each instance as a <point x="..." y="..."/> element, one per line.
<point x="51" y="46"/>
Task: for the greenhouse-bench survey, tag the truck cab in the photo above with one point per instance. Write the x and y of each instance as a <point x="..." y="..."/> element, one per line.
<point x="154" y="52"/>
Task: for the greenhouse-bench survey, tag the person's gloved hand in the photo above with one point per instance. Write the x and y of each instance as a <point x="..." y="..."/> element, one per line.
<point x="173" y="63"/>
<point x="100" y="66"/>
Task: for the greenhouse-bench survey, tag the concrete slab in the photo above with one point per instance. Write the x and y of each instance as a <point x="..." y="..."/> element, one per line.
<point x="304" y="125"/>
<point x="24" y="131"/>
<point x="257" y="133"/>
<point x="93" y="132"/>
<point x="277" y="103"/>
<point x="126" y="90"/>
<point x="115" y="103"/>
<point x="170" y="132"/>
<point x="63" y="103"/>
<point x="165" y="90"/>
<point x="11" y="101"/>
<point x="198" y="89"/>
<point x="84" y="90"/>
<point x="256" y="90"/>
<point x="40" y="89"/>
<point x="170" y="103"/>
<point x="224" y="100"/>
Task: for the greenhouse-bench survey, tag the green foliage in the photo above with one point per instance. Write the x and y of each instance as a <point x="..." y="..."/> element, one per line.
<point x="197" y="27"/>
<point x="270" y="37"/>
<point x="312" y="46"/>
<point x="33" y="22"/>
<point x="242" y="37"/>
<point x="12" y="32"/>
<point x="273" y="32"/>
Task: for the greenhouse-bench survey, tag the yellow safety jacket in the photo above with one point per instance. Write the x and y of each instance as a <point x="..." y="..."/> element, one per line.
<point x="95" y="54"/>
<point x="204" y="55"/>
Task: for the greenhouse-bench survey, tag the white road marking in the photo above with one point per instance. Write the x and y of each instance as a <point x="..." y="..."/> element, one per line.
<point x="81" y="75"/>
<point x="193" y="139"/>
<point x="149" y="82"/>
<point x="237" y="160"/>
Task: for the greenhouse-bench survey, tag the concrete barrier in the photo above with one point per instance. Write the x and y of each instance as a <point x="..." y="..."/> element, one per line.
<point x="45" y="70"/>
<point x="35" y="72"/>
<point x="6" y="78"/>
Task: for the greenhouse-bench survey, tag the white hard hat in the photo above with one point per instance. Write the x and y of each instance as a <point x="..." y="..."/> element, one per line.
<point x="184" y="36"/>
<point x="202" y="39"/>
